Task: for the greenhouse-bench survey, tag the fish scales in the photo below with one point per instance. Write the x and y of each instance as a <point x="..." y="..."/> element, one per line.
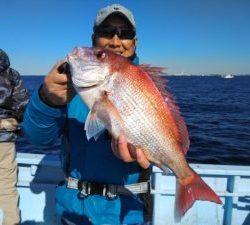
<point x="139" y="123"/>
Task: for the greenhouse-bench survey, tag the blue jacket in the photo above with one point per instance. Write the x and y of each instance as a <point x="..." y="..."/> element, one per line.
<point x="89" y="161"/>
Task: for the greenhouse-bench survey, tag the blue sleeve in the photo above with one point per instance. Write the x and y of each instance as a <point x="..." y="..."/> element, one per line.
<point x="42" y="124"/>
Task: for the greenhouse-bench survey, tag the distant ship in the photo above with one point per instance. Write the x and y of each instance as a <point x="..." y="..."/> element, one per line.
<point x="181" y="74"/>
<point x="228" y="76"/>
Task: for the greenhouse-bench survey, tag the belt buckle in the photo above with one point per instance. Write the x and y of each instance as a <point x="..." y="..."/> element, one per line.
<point x="97" y="188"/>
<point x="111" y="191"/>
<point x="87" y="188"/>
<point x="84" y="189"/>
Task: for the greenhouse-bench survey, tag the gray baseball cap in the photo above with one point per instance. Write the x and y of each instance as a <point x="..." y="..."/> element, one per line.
<point x="117" y="9"/>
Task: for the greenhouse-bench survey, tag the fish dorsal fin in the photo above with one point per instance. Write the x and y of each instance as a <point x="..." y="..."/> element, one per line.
<point x="156" y="74"/>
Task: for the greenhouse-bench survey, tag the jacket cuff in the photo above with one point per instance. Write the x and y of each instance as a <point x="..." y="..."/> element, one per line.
<point x="45" y="100"/>
<point x="41" y="106"/>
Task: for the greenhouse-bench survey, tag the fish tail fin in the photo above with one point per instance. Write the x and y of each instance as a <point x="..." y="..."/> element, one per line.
<point x="190" y="189"/>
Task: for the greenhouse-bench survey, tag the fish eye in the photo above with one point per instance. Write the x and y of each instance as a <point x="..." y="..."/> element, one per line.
<point x="100" y="55"/>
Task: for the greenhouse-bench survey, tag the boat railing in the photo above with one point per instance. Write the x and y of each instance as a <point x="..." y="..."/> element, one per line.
<point x="39" y="175"/>
<point x="231" y="183"/>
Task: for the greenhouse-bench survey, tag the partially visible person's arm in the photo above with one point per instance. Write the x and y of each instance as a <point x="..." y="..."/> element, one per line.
<point x="20" y="96"/>
<point x="44" y="115"/>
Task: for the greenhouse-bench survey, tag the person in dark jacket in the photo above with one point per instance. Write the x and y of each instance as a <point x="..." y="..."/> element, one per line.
<point x="13" y="99"/>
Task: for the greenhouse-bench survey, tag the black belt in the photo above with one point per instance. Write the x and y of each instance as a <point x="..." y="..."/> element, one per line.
<point x="109" y="190"/>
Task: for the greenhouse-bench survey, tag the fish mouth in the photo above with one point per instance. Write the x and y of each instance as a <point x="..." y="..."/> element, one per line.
<point x="89" y="87"/>
<point x="86" y="87"/>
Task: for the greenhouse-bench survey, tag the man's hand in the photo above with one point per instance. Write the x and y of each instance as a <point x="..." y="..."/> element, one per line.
<point x="57" y="88"/>
<point x="128" y="153"/>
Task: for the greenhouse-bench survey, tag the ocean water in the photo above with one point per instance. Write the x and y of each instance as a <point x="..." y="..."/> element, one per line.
<point x="216" y="110"/>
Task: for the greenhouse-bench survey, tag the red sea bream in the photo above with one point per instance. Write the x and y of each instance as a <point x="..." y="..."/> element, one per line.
<point x="132" y="100"/>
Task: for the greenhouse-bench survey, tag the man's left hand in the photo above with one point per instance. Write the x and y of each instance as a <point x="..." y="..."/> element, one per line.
<point x="128" y="153"/>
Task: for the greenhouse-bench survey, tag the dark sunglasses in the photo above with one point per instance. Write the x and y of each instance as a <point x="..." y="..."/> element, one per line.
<point x="110" y="31"/>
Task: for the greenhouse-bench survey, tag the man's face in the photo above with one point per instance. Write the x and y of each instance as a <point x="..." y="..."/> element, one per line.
<point x="119" y="45"/>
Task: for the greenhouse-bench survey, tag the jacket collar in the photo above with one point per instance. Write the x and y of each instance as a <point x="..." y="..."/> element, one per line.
<point x="134" y="59"/>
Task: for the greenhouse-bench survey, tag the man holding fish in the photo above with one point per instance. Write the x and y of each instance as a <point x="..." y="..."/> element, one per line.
<point x="118" y="104"/>
<point x="92" y="161"/>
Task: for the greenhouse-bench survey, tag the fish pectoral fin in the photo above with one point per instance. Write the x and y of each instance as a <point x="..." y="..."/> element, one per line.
<point x="109" y="114"/>
<point x="103" y="115"/>
<point x="93" y="125"/>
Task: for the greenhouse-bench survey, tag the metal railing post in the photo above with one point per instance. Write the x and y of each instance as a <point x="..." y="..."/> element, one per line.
<point x="228" y="207"/>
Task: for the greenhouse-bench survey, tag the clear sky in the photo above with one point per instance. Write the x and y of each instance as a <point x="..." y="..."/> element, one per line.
<point x="190" y="36"/>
